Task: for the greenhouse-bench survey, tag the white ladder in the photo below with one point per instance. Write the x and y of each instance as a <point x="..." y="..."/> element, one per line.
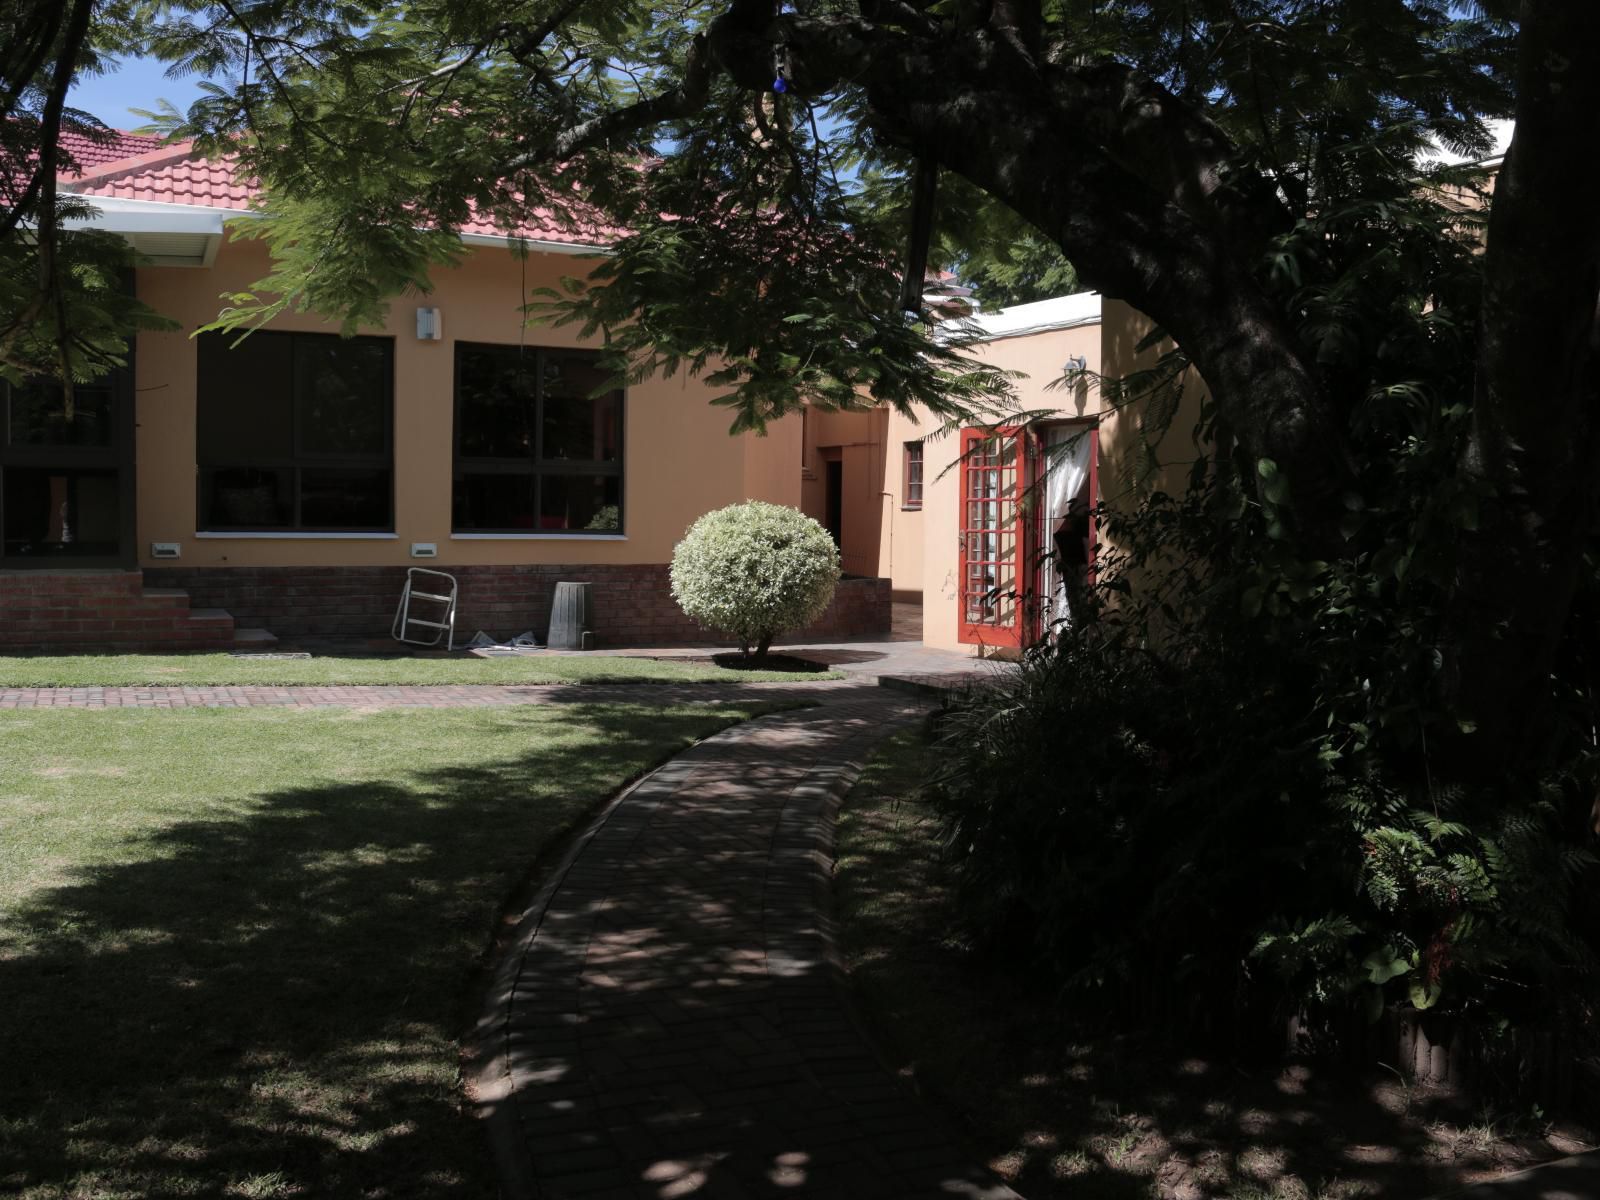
<point x="442" y="629"/>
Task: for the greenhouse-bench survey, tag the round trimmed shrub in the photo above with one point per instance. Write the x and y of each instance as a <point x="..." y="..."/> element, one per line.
<point x="755" y="570"/>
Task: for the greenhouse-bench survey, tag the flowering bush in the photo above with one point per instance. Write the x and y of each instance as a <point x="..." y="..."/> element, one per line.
<point x="755" y="570"/>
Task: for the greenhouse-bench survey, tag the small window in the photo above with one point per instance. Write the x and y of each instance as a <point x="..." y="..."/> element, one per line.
<point x="538" y="442"/>
<point x="294" y="433"/>
<point x="912" y="496"/>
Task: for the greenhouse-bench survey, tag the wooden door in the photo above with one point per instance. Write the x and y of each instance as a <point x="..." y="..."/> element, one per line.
<point x="997" y="554"/>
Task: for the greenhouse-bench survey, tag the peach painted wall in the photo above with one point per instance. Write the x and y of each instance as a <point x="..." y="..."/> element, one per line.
<point x="857" y="441"/>
<point x="679" y="460"/>
<point x="1150" y="445"/>
<point x="1039" y="357"/>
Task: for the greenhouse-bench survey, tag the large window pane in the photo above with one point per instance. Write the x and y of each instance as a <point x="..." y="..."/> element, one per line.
<point x="577" y="427"/>
<point x="245" y="395"/>
<point x="510" y="480"/>
<point x="293" y="433"/>
<point x="63" y="513"/>
<point x="246" y="498"/>
<point x="341" y="391"/>
<point x="503" y="503"/>
<point x="38" y="417"/>
<point x="495" y="395"/>
<point x="332" y="498"/>
<point x="588" y="503"/>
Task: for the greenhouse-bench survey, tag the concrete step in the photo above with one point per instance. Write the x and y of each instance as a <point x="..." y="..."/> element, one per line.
<point x="165" y="597"/>
<point x="254" y="639"/>
<point x="210" y="616"/>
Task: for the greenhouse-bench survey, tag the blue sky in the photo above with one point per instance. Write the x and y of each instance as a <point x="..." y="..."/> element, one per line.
<point x="137" y="83"/>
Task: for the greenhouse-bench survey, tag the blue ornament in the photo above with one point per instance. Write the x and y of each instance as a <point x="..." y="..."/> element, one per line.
<point x="779" y="86"/>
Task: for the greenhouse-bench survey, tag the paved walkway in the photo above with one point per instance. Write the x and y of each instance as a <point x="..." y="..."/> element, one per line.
<point x="672" y="1020"/>
<point x="469" y="695"/>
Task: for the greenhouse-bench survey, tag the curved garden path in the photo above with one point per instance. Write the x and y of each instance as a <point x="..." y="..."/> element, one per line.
<point x="671" y="1020"/>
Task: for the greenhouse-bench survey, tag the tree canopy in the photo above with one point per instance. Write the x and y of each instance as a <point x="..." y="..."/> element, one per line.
<point x="1246" y="173"/>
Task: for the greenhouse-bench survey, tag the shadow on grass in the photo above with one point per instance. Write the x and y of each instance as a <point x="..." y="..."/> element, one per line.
<point x="269" y="1004"/>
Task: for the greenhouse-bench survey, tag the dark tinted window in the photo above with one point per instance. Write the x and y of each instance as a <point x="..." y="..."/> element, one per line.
<point x="538" y="442"/>
<point x="37" y="415"/>
<point x="293" y="432"/>
<point x="496" y="394"/>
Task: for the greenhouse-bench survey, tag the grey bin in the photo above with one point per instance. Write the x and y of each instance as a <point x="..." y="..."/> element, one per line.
<point x="570" y="618"/>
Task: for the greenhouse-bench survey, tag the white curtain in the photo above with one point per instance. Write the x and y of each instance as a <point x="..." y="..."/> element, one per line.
<point x="1066" y="473"/>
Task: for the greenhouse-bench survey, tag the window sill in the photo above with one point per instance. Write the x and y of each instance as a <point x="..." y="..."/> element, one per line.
<point x="911" y="508"/>
<point x="538" y="537"/>
<point x="307" y="536"/>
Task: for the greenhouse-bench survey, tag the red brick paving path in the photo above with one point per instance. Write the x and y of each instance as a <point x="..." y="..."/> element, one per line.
<point x="672" y="1020"/>
<point x="407" y="696"/>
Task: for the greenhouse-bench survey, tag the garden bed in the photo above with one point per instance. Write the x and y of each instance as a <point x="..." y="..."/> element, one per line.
<point x="1061" y="1114"/>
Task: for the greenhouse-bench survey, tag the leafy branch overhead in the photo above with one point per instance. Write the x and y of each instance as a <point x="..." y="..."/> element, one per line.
<point x="761" y="129"/>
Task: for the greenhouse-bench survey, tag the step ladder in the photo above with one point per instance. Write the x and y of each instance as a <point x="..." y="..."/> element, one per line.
<point x="438" y="593"/>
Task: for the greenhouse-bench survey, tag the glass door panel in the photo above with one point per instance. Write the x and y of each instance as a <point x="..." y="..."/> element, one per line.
<point x="995" y="592"/>
<point x="66" y="480"/>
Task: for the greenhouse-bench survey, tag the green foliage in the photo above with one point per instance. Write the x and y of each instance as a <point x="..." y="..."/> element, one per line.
<point x="80" y="328"/>
<point x="1260" y="812"/>
<point x="755" y="570"/>
<point x="1248" y="817"/>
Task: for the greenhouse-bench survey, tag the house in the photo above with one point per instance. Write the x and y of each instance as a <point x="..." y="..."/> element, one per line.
<point x="984" y="527"/>
<point x="989" y="528"/>
<point x="213" y="494"/>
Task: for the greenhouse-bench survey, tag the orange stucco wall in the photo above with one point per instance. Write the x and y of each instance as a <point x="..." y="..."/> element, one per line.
<point x="679" y="460"/>
<point x="1141" y="449"/>
<point x="1148" y="445"/>
<point x="1038" y="358"/>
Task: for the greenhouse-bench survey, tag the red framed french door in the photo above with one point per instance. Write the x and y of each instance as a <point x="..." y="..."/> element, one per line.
<point x="999" y="552"/>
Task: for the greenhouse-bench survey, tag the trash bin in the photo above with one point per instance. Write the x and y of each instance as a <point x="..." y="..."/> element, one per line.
<point x="570" y="617"/>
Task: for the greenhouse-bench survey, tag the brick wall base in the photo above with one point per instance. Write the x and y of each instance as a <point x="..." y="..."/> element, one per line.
<point x="632" y="604"/>
<point x="102" y="610"/>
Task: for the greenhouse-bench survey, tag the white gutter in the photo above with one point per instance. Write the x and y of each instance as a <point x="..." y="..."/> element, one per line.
<point x="118" y="214"/>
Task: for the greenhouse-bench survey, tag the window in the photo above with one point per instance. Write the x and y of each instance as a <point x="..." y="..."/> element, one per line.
<point x="294" y="432"/>
<point x="912" y="496"/>
<point x="538" y="442"/>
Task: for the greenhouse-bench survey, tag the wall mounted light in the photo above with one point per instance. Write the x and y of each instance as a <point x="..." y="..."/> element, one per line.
<point x="430" y="325"/>
<point x="1076" y="365"/>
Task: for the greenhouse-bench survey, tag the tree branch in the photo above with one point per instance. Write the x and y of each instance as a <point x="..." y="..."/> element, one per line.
<point x="645" y="114"/>
<point x="77" y="31"/>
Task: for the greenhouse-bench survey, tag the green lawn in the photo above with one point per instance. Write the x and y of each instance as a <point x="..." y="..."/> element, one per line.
<point x="237" y="947"/>
<point x="139" y="670"/>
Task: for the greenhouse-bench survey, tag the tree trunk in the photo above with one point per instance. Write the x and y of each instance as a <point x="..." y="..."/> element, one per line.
<point x="1062" y="147"/>
<point x="1535" y="438"/>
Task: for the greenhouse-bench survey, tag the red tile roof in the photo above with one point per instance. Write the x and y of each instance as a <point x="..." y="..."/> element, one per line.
<point x="176" y="175"/>
<point x="169" y="174"/>
<point x="89" y="153"/>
